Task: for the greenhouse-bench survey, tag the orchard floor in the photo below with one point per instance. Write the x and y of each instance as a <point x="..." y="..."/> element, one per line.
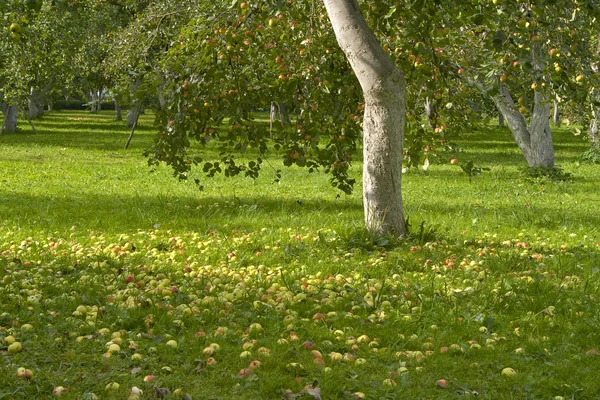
<point x="114" y="278"/>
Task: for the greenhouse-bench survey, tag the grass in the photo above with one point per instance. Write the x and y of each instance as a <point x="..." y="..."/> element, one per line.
<point x="97" y="251"/>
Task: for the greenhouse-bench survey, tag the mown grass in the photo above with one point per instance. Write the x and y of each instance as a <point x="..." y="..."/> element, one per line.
<point x="503" y="275"/>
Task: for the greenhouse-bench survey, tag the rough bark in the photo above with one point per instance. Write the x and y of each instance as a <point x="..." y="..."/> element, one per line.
<point x="384" y="90"/>
<point x="535" y="140"/>
<point x="9" y="125"/>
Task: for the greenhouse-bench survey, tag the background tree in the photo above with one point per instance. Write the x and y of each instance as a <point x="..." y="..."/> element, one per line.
<point x="40" y="52"/>
<point x="529" y="53"/>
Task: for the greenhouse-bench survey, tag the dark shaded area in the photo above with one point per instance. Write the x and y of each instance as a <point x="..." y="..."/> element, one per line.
<point x="198" y="214"/>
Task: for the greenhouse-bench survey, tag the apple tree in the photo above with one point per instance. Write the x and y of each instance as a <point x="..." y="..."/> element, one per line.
<point x="229" y="62"/>
<point x="39" y="51"/>
<point x="146" y="33"/>
<point x="524" y="55"/>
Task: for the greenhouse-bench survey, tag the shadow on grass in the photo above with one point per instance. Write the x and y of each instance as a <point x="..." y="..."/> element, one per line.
<point x="518" y="215"/>
<point x="120" y="214"/>
<point x="198" y="214"/>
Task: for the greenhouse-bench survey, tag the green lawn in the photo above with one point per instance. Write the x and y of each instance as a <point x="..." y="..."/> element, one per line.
<point x="250" y="288"/>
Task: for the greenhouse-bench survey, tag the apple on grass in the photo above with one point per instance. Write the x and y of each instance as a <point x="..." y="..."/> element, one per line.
<point x="24" y="373"/>
<point x="14" y="348"/>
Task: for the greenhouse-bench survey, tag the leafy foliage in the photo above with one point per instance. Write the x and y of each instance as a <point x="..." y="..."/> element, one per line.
<point x="591" y="156"/>
<point x="554" y="174"/>
<point x="472" y="170"/>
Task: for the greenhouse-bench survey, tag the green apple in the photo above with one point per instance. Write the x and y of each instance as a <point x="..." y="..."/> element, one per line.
<point x="14" y="348"/>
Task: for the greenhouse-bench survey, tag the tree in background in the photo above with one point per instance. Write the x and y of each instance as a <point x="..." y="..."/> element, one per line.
<point x="524" y="55"/>
<point x="39" y="53"/>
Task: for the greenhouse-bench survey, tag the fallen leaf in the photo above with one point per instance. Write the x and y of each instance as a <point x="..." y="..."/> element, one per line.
<point x="289" y="395"/>
<point x="200" y="367"/>
<point x="161" y="392"/>
<point x="314" y="392"/>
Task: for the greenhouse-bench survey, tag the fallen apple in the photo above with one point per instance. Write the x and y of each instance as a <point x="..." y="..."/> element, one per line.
<point x="14" y="348"/>
<point x="509" y="372"/>
<point x="24" y="373"/>
<point x="59" y="391"/>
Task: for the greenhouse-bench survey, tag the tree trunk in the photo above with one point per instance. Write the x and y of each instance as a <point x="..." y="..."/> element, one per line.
<point x="134" y="113"/>
<point x="595" y="127"/>
<point x="535" y="141"/>
<point x="595" y="95"/>
<point x="500" y="120"/>
<point x="430" y="112"/>
<point x="556" y="115"/>
<point x="384" y="89"/>
<point x="284" y="113"/>
<point x="118" y="111"/>
<point x="9" y="125"/>
<point x="35" y="105"/>
<point x="95" y="101"/>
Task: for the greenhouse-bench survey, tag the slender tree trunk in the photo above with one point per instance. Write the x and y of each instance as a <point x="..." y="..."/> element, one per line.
<point x="535" y="141"/>
<point x="595" y="127"/>
<point x="118" y="111"/>
<point x="160" y="92"/>
<point x="9" y="125"/>
<point x="556" y="115"/>
<point x="500" y="120"/>
<point x="93" y="102"/>
<point x="430" y="112"/>
<point x="595" y="95"/>
<point x="272" y="117"/>
<point x="96" y="101"/>
<point x="284" y="113"/>
<point x="137" y="105"/>
<point x="384" y="89"/>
